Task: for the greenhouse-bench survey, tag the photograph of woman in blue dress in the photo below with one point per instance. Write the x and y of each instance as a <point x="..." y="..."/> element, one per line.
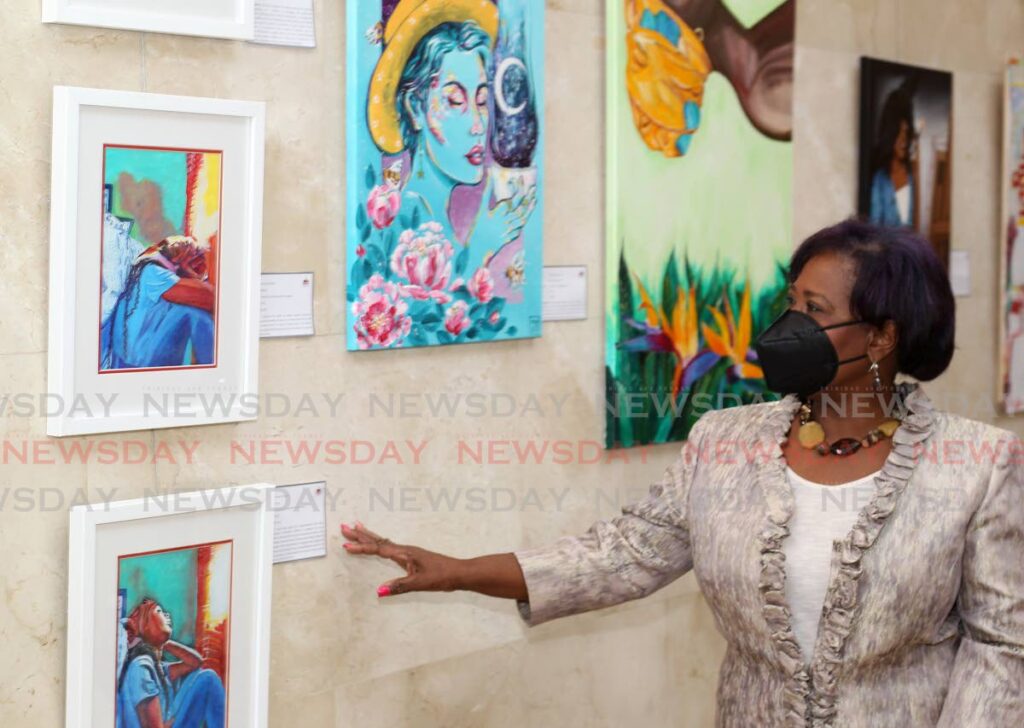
<point x="906" y="149"/>
<point x="154" y="692"/>
<point x="893" y="185"/>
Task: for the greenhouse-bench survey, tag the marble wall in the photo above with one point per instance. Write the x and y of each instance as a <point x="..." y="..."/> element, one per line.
<point x="340" y="657"/>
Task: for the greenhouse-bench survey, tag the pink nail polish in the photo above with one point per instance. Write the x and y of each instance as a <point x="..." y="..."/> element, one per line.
<point x="384" y="591"/>
<point x="346" y="546"/>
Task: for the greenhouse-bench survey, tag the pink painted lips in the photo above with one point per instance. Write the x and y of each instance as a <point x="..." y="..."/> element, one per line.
<point x="476" y="155"/>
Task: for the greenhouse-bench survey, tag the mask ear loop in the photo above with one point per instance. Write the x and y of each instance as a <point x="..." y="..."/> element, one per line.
<point x="853" y="358"/>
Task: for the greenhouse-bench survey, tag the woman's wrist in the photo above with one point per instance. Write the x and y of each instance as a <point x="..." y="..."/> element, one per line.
<point x="495" y="575"/>
<point x="466" y="574"/>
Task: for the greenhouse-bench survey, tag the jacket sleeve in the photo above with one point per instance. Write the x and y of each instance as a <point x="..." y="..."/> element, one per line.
<point x="616" y="560"/>
<point x="987" y="684"/>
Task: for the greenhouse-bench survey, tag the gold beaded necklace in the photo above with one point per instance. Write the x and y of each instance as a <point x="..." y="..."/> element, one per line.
<point x="811" y="435"/>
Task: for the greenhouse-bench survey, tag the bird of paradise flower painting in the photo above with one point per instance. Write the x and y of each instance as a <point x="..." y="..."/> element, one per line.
<point x="699" y="212"/>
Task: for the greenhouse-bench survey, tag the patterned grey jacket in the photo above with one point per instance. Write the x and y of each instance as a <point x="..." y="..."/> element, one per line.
<point x="923" y="621"/>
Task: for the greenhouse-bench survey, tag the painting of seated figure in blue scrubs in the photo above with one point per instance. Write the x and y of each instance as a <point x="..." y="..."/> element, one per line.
<point x="173" y="628"/>
<point x="158" y="289"/>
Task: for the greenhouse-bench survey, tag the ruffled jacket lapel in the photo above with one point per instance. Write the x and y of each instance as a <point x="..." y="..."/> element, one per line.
<point x="810" y="692"/>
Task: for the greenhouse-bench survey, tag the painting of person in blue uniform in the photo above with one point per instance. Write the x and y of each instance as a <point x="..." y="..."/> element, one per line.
<point x="163" y="683"/>
<point x="164" y="315"/>
<point x="894" y="198"/>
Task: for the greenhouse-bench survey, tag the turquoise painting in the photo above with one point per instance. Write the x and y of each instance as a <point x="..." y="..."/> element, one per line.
<point x="444" y="173"/>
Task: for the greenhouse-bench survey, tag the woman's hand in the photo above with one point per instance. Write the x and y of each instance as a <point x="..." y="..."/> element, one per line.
<point x="502" y="224"/>
<point x="425" y="570"/>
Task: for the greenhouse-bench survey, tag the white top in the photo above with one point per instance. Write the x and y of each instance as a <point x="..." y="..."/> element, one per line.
<point x="822" y="514"/>
<point x="903" y="203"/>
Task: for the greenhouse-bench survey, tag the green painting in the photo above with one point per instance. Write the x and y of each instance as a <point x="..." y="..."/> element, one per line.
<point x="699" y="206"/>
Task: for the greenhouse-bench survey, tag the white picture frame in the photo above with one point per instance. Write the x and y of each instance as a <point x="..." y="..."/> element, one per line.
<point x="233" y="19"/>
<point x="103" y="533"/>
<point x="89" y="125"/>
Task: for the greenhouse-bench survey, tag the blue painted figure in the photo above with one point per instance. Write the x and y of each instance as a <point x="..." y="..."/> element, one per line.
<point x="154" y="693"/>
<point x="164" y="316"/>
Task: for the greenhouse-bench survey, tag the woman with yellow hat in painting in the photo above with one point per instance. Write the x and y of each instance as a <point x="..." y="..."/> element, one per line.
<point x="428" y="111"/>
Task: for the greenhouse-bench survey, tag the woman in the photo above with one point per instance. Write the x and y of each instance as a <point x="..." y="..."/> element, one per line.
<point x="429" y="109"/>
<point x="920" y="613"/>
<point x="154" y="693"/>
<point x="893" y="188"/>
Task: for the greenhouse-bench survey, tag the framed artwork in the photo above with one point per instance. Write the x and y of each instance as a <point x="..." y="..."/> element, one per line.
<point x="1010" y="382"/>
<point x="906" y="154"/>
<point x="169" y="610"/>
<point x="699" y="207"/>
<point x="444" y="171"/>
<point x="155" y="235"/>
<point x="214" y="18"/>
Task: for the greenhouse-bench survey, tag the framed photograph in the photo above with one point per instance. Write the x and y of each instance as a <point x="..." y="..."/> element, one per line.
<point x="169" y="610"/>
<point x="155" y="236"/>
<point x="444" y="171"/>
<point x="906" y="152"/>
<point x="213" y="18"/>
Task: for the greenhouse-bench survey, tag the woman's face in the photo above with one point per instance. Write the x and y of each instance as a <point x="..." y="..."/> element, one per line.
<point x="455" y="117"/>
<point x="901" y="147"/>
<point x="158" y="627"/>
<point x="822" y="291"/>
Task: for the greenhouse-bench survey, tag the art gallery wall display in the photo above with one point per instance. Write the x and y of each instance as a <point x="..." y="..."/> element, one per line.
<point x="1010" y="382"/>
<point x="155" y="235"/>
<point x="699" y="207"/>
<point x="906" y="153"/>
<point x="169" y="610"/>
<point x="214" y="18"/>
<point x="444" y="171"/>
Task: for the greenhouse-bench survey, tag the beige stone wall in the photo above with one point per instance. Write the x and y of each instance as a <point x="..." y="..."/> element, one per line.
<point x="340" y="658"/>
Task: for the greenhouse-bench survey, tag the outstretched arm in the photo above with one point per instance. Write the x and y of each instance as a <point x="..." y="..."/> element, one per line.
<point x="617" y="560"/>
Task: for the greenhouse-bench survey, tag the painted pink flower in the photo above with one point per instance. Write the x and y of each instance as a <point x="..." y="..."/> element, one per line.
<point x="481" y="285"/>
<point x="360" y="250"/>
<point x="382" y="205"/>
<point x="423" y="257"/>
<point x="381" y="315"/>
<point x="495" y="317"/>
<point x="456" y="318"/>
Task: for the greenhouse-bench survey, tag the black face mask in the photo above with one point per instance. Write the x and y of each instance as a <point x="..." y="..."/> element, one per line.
<point x="796" y="354"/>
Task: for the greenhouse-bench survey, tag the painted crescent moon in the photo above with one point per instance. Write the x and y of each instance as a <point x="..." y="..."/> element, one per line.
<point x="499" y="96"/>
